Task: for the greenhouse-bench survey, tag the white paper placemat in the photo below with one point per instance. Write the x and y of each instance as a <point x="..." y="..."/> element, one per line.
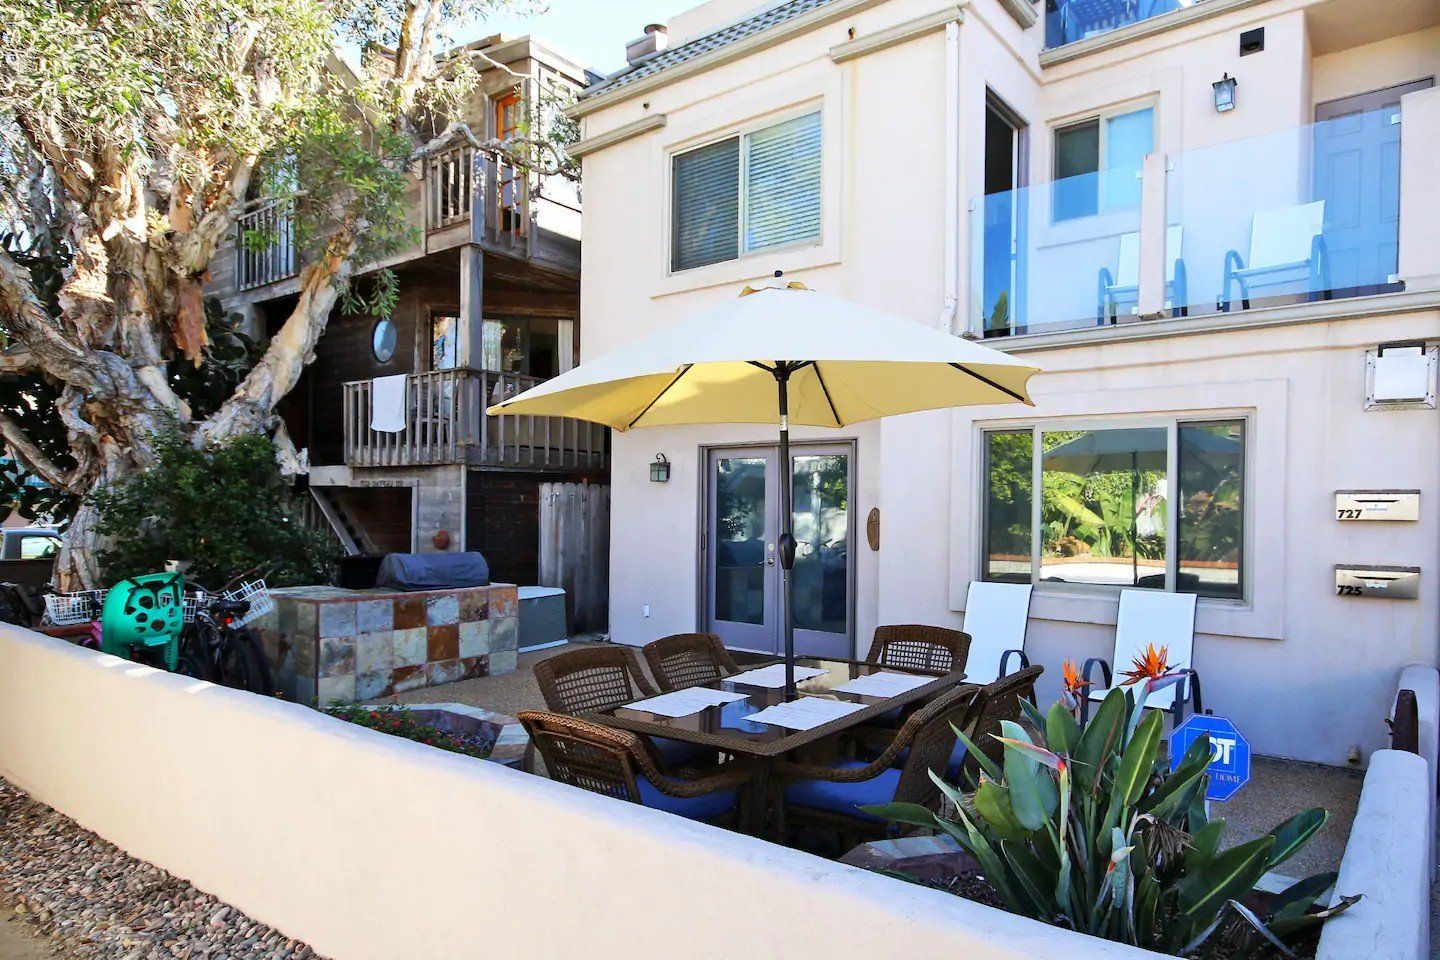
<point x="682" y="703"/>
<point x="884" y="684"/>
<point x="805" y="713"/>
<point x="772" y="676"/>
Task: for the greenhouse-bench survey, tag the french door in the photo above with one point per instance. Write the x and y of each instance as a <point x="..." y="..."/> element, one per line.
<point x="742" y="568"/>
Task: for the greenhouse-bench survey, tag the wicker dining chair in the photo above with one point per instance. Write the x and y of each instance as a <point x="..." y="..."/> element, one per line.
<point x="997" y="701"/>
<point x="688" y="660"/>
<point x="915" y="646"/>
<point x="620" y="764"/>
<point x="595" y="678"/>
<point x="601" y="678"/>
<point x="830" y="796"/>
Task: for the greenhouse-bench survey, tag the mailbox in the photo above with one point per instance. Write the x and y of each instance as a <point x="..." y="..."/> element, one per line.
<point x="1393" y="583"/>
<point x="1377" y="505"/>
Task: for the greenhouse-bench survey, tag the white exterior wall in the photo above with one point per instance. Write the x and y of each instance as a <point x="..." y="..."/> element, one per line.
<point x="1304" y="673"/>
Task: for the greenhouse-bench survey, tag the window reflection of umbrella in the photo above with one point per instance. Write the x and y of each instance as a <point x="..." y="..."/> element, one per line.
<point x="780" y="353"/>
<point x="1106" y="451"/>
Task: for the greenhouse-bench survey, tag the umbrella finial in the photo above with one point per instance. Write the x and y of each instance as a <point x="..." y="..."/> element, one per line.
<point x="779" y="274"/>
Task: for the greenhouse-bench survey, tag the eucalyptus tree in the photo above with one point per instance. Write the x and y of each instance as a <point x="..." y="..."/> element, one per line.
<point x="132" y="133"/>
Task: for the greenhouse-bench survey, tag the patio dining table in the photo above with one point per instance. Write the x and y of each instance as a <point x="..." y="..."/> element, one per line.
<point x="727" y="727"/>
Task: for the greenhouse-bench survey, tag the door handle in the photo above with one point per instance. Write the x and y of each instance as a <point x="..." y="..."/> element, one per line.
<point x="769" y="561"/>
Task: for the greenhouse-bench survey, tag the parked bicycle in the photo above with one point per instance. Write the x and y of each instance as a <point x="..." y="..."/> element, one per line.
<point x="218" y="646"/>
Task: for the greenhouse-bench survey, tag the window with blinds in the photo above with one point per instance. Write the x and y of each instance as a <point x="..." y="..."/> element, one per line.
<point x="747" y="193"/>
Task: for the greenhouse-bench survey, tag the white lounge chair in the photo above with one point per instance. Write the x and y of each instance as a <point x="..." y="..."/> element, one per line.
<point x="996" y="615"/>
<point x="1284" y="244"/>
<point x="1165" y="620"/>
<point x="1124" y="284"/>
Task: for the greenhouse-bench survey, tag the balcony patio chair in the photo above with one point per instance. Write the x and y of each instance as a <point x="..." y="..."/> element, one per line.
<point x="913" y="646"/>
<point x="621" y="764"/>
<point x="1284" y="245"/>
<point x="830" y="797"/>
<point x="601" y="678"/>
<point x="1151" y="617"/>
<point x="688" y="660"/>
<point x="1124" y="284"/>
<point x="997" y="616"/>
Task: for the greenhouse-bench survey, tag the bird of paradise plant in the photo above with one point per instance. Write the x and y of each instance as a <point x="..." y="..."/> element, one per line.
<point x="1087" y="828"/>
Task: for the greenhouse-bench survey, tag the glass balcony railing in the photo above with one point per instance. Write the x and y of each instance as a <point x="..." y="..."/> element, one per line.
<point x="1067" y="21"/>
<point x="1308" y="213"/>
<point x="1304" y="214"/>
<point x="1038" y="251"/>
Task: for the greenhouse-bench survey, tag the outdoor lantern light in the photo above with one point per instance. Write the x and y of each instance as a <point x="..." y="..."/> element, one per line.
<point x="1225" y="93"/>
<point x="659" y="469"/>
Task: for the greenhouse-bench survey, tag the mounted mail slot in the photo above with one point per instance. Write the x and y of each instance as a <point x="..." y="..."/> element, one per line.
<point x="1395" y="583"/>
<point x="1377" y="504"/>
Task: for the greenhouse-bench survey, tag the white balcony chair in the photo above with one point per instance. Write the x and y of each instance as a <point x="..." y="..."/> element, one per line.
<point x="996" y="617"/>
<point x="1124" y="284"/>
<point x="1285" y="245"/>
<point x="1165" y="620"/>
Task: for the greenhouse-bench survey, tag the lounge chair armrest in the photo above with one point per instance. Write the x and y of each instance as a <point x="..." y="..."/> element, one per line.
<point x="1005" y="660"/>
<point x="1189" y="692"/>
<point x="791" y="770"/>
<point x="1086" y="675"/>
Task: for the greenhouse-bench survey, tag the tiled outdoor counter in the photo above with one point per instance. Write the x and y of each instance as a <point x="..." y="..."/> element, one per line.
<point x="328" y="645"/>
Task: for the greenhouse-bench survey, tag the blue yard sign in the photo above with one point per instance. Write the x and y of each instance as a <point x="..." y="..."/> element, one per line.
<point x="1229" y="752"/>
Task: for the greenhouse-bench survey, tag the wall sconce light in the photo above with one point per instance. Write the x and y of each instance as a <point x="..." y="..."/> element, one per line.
<point x="1225" y="93"/>
<point x="659" y="469"/>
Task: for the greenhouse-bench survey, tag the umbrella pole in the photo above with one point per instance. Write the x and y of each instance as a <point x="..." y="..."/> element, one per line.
<point x="787" y="535"/>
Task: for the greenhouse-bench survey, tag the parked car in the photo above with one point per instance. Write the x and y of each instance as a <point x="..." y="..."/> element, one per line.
<point x="29" y="543"/>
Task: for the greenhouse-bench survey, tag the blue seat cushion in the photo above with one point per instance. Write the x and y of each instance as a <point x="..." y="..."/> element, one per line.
<point x="845" y="798"/>
<point x="677" y="753"/>
<point x="704" y="807"/>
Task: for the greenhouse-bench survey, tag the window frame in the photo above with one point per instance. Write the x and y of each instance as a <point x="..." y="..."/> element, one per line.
<point x="1171" y="424"/>
<point x="1104" y="205"/>
<point x="742" y="134"/>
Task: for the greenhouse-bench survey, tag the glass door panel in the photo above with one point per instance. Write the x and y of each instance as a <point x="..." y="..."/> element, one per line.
<point x="743" y="575"/>
<point x="820" y="497"/>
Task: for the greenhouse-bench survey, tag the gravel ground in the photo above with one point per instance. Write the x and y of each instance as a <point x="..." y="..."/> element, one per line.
<point x="94" y="902"/>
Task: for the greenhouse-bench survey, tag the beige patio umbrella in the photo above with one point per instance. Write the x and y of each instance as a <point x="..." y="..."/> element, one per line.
<point x="780" y="353"/>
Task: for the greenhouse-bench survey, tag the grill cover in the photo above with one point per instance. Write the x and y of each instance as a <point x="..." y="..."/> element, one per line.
<point x="433" y="571"/>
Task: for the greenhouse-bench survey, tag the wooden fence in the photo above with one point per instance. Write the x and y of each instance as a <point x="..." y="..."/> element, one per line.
<point x="575" y="550"/>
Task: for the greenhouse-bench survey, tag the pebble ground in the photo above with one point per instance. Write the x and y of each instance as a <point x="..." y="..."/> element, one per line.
<point x="92" y="901"/>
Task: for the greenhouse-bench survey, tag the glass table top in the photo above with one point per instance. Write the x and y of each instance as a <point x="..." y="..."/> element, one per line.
<point x="727" y="725"/>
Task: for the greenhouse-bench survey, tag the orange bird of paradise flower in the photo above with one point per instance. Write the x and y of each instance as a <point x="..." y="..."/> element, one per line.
<point x="1071" y="677"/>
<point x="1154" y="668"/>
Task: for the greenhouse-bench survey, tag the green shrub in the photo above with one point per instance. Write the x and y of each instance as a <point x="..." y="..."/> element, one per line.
<point x="226" y="509"/>
<point x="1089" y="829"/>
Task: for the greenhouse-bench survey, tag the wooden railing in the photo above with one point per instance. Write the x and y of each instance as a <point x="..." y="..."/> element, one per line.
<point x="462" y="183"/>
<point x="445" y="422"/>
<point x="265" y="244"/>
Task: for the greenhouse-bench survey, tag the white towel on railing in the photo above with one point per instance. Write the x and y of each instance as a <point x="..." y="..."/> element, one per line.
<point x="387" y="404"/>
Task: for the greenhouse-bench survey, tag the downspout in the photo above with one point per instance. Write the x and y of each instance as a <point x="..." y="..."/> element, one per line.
<point x="950" y="311"/>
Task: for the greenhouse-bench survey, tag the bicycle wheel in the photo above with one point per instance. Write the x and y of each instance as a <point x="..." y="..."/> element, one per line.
<point x="193" y="662"/>
<point x="243" y="666"/>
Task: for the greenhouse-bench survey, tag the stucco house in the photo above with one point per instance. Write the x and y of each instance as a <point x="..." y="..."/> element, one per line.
<point x="1213" y="224"/>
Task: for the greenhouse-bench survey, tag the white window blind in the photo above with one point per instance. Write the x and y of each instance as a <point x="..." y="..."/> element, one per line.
<point x="723" y="207"/>
<point x="706" y="205"/>
<point x="782" y="184"/>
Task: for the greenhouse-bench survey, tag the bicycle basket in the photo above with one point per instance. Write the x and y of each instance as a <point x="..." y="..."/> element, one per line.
<point x="64" y="609"/>
<point x="190" y="603"/>
<point x="257" y="594"/>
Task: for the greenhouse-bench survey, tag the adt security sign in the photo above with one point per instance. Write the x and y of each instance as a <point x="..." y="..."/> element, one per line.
<point x="1229" y="754"/>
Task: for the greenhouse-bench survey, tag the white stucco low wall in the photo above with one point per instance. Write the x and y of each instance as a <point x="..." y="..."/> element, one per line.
<point x="366" y="846"/>
<point x="1387" y="859"/>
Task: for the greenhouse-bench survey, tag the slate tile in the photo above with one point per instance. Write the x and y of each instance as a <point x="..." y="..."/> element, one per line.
<point x="443" y="642"/>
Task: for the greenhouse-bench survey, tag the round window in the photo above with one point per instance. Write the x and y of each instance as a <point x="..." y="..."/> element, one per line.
<point x="383" y="340"/>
